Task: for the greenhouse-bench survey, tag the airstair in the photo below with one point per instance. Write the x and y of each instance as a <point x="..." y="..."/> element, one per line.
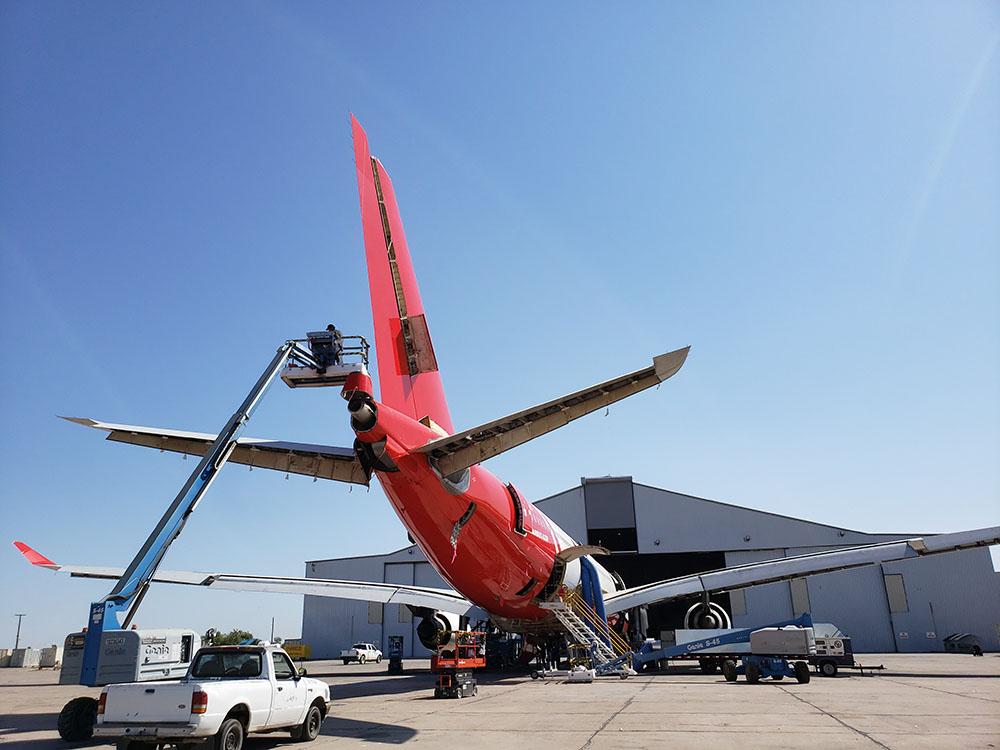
<point x="609" y="651"/>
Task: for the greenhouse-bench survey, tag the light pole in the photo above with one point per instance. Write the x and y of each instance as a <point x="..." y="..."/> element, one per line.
<point x="17" y="638"/>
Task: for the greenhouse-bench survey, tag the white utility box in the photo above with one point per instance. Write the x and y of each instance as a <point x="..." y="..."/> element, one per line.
<point x="790" y="641"/>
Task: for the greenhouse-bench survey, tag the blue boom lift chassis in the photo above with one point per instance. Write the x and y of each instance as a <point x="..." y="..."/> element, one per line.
<point x="116" y="610"/>
<point x="754" y="666"/>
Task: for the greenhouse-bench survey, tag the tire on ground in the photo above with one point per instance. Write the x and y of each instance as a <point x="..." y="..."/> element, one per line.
<point x="308" y="730"/>
<point x="230" y="735"/>
<point x="801" y="672"/>
<point x="77" y="719"/>
<point x="753" y="674"/>
<point x="729" y="670"/>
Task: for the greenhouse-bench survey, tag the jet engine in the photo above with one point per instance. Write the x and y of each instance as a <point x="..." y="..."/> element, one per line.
<point x="707" y="615"/>
<point x="435" y="627"/>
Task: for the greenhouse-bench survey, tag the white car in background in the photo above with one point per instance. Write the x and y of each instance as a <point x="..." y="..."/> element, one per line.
<point x="361" y="652"/>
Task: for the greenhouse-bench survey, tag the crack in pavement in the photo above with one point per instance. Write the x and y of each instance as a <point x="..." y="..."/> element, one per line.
<point x="939" y="690"/>
<point x="837" y="719"/>
<point x="585" y="745"/>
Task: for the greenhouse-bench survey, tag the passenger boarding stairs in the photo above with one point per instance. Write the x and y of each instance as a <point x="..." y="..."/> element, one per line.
<point x="609" y="651"/>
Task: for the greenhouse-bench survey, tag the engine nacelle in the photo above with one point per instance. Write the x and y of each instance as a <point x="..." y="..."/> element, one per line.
<point x="707" y="616"/>
<point x="436" y="627"/>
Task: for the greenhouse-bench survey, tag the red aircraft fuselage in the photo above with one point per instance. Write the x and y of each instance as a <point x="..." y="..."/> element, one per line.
<point x="496" y="560"/>
<point x="490" y="563"/>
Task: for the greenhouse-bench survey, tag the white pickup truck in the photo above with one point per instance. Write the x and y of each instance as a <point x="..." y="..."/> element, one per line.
<point x="228" y="692"/>
<point x="361" y="652"/>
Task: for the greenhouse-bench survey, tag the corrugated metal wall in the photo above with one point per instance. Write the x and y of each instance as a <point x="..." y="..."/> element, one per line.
<point x="329" y="625"/>
<point x="956" y="592"/>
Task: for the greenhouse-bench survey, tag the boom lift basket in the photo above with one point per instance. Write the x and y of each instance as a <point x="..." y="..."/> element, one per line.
<point x="331" y="359"/>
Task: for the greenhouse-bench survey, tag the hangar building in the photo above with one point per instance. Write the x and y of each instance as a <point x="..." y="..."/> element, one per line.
<point x="654" y="534"/>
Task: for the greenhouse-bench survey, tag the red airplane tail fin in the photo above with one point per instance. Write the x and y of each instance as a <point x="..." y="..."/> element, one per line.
<point x="407" y="368"/>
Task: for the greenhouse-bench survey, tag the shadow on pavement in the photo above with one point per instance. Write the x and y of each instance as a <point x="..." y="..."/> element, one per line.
<point x="381" y="686"/>
<point x="26" y="723"/>
<point x="368" y="731"/>
<point x="935" y="675"/>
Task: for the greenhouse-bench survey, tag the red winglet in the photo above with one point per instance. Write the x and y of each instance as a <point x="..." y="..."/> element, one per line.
<point x="35" y="557"/>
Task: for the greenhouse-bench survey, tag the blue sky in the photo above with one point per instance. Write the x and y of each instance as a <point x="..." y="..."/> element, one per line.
<point x="806" y="195"/>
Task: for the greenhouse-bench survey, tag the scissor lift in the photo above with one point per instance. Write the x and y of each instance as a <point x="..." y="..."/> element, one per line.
<point x="462" y="652"/>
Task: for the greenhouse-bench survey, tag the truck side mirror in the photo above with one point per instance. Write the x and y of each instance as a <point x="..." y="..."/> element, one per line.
<point x="300" y="673"/>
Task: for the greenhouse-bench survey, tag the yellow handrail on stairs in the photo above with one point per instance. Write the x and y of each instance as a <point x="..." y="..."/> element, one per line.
<point x="587" y="613"/>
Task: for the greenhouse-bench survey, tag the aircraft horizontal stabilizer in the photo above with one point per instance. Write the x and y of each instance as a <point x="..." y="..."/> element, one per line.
<point x="785" y="568"/>
<point x="444" y="600"/>
<point x="457" y="452"/>
<point x="318" y="461"/>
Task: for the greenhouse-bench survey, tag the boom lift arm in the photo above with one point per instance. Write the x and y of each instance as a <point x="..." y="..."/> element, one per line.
<point x="125" y="597"/>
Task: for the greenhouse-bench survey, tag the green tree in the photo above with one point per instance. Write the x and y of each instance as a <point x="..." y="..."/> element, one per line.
<point x="232" y="638"/>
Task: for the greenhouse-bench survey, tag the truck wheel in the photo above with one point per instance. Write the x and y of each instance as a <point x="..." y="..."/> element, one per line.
<point x="77" y="719"/>
<point x="378" y="659"/>
<point x="729" y="670"/>
<point x="308" y="730"/>
<point x="801" y="672"/>
<point x="361" y="659"/>
<point x="230" y="735"/>
<point x="753" y="674"/>
<point x="828" y="668"/>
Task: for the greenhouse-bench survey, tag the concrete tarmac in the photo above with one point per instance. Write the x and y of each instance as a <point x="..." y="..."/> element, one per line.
<point x="920" y="701"/>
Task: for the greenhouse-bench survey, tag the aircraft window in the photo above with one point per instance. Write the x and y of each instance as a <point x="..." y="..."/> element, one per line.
<point x="518" y="510"/>
<point x="526" y="588"/>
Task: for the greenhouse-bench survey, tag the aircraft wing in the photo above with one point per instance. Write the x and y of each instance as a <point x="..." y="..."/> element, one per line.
<point x="782" y="569"/>
<point x="319" y="461"/>
<point x="445" y="600"/>
<point x="457" y="452"/>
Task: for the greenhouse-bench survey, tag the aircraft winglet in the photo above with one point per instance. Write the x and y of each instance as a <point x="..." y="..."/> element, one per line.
<point x="35" y="557"/>
<point x="80" y="420"/>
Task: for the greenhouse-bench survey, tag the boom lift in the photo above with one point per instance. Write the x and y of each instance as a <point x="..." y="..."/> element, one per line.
<point x="317" y="365"/>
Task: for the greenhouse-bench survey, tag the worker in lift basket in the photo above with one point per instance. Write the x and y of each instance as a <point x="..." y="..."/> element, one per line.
<point x="327" y="349"/>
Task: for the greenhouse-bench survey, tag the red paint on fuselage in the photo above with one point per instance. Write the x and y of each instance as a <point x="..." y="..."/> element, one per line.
<point x="491" y="562"/>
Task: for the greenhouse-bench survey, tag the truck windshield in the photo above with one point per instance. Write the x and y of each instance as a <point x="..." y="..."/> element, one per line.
<point x="227" y="664"/>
